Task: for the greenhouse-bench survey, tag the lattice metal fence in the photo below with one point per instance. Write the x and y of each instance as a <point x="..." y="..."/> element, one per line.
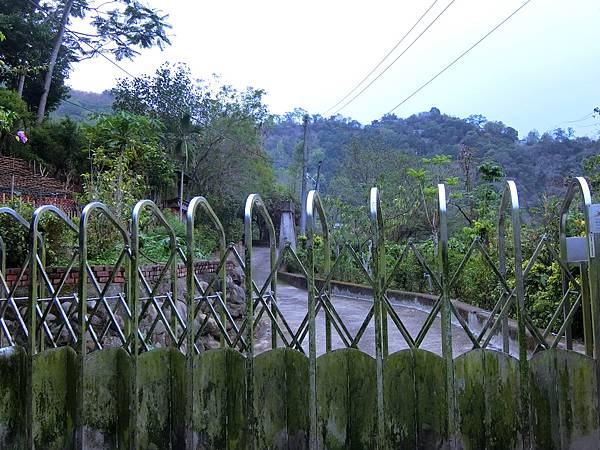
<point x="47" y="297"/>
<point x="128" y="314"/>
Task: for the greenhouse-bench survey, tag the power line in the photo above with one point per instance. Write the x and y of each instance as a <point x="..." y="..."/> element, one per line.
<point x="83" y="107"/>
<point x="586" y="117"/>
<point x="397" y="58"/>
<point x="459" y="57"/>
<point x="383" y="59"/>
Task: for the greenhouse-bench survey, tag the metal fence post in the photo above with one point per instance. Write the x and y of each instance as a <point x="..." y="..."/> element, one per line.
<point x="379" y="273"/>
<point x="510" y="197"/>
<point x="314" y="207"/>
<point x="31" y="338"/>
<point x="195" y="203"/>
<point x="133" y="337"/>
<point x="446" y="312"/>
<point x="251" y="201"/>
<point x="589" y="295"/>
<point x="592" y="229"/>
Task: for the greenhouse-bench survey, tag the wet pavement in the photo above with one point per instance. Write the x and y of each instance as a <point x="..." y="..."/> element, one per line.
<point x="292" y="302"/>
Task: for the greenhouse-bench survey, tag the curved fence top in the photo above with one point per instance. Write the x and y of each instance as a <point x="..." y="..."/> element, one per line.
<point x="104" y="210"/>
<point x="376" y="213"/>
<point x="156" y="212"/>
<point x="578" y="184"/>
<point x="314" y="205"/>
<point x="21" y="221"/>
<point x="510" y="196"/>
<point x="443" y="218"/>
<point x="15" y="215"/>
<point x="51" y="209"/>
<point x="201" y="202"/>
<point x="252" y="201"/>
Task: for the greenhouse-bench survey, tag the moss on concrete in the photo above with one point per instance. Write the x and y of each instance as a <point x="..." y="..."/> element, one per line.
<point x="564" y="400"/>
<point x="577" y="397"/>
<point x="346" y="400"/>
<point x="487" y="394"/>
<point x="219" y="419"/>
<point x="161" y="374"/>
<point x="106" y="399"/>
<point x="430" y="388"/>
<point x="400" y="401"/>
<point x="281" y="399"/>
<point x="53" y="393"/>
<point x="12" y="397"/>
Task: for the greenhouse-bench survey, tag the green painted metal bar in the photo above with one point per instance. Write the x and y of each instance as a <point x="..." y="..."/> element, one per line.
<point x="503" y="299"/>
<point x="379" y="272"/>
<point x="510" y="198"/>
<point x="398" y="322"/>
<point x="446" y="311"/>
<point x="314" y="207"/>
<point x="193" y="206"/>
<point x="586" y="309"/>
<point x="580" y="186"/>
<point x="567" y="322"/>
<point x="253" y="201"/>
<point x="82" y="314"/>
<point x="36" y="264"/>
<point x="134" y="298"/>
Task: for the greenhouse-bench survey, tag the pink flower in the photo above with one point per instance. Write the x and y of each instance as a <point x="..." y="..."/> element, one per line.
<point x="21" y="136"/>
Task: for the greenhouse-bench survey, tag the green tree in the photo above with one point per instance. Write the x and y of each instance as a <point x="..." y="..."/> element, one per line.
<point x="220" y="146"/>
<point x="128" y="161"/>
<point x="14" y="116"/>
<point x="40" y="35"/>
<point x="591" y="167"/>
<point x="60" y="144"/>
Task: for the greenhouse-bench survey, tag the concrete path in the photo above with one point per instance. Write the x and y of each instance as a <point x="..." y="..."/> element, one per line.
<point x="353" y="311"/>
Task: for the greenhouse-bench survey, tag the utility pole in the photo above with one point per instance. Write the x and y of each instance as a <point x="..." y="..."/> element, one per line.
<point x="318" y="176"/>
<point x="304" y="177"/>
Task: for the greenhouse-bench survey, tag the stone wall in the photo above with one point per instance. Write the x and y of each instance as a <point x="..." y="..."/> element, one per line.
<point x="102" y="273"/>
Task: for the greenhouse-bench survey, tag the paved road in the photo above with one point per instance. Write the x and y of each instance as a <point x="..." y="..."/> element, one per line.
<point x="293" y="304"/>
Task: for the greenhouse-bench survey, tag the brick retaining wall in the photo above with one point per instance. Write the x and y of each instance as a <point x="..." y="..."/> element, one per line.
<point x="102" y="273"/>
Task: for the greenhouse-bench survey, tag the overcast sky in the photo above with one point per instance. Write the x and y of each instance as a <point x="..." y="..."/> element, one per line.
<point x="540" y="70"/>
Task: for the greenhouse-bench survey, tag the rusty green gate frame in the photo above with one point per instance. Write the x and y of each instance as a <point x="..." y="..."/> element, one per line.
<point x="129" y="328"/>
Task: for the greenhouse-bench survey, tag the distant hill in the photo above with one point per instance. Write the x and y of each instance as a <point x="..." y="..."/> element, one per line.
<point x="94" y="101"/>
<point x="539" y="163"/>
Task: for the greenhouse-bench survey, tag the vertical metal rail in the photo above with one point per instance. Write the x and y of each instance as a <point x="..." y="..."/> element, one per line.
<point x="579" y="186"/>
<point x="35" y="265"/>
<point x="252" y="201"/>
<point x="379" y="277"/>
<point x="314" y="207"/>
<point x="133" y="338"/>
<point x="195" y="203"/>
<point x="30" y="321"/>
<point x="446" y="311"/>
<point x="504" y="297"/>
<point x="138" y="210"/>
<point x="510" y="198"/>
<point x="103" y="210"/>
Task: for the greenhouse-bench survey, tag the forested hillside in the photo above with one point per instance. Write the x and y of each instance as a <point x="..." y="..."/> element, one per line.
<point x="539" y="163"/>
<point x="81" y="104"/>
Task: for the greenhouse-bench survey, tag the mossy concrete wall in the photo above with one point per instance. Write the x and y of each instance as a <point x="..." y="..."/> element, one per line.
<point x="562" y="384"/>
<point x="13" y="362"/>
